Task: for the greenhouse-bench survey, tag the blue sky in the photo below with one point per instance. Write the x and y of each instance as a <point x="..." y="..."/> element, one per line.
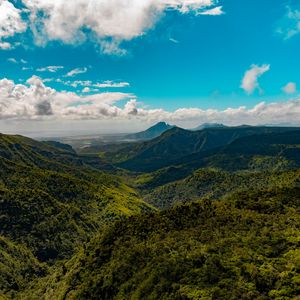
<point x="187" y="58"/>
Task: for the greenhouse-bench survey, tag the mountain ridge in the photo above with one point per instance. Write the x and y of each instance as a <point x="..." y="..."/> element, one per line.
<point x="177" y="143"/>
<point x="150" y="133"/>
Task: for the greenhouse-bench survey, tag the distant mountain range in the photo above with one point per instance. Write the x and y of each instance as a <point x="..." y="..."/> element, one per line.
<point x="151" y="133"/>
<point x="161" y="127"/>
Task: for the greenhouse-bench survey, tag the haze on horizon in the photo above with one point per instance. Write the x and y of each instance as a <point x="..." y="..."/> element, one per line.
<point x="106" y="66"/>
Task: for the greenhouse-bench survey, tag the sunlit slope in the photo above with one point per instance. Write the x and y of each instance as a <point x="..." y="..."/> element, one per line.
<point x="243" y="247"/>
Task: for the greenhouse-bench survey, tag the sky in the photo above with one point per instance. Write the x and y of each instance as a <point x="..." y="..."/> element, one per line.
<point x="107" y="66"/>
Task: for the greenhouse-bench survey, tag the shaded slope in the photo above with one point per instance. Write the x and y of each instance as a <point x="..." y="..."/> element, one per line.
<point x="46" y="155"/>
<point x="53" y="212"/>
<point x="177" y="143"/>
<point x="256" y="153"/>
<point x="18" y="267"/>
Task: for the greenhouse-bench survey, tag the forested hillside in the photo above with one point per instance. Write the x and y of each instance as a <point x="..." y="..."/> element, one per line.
<point x="51" y="203"/>
<point x="219" y="220"/>
<point x="245" y="246"/>
<point x="177" y="144"/>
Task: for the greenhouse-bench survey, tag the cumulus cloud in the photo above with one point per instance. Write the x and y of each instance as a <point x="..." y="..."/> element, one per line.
<point x="290" y="88"/>
<point x="76" y="71"/>
<point x="250" y="80"/>
<point x="109" y="21"/>
<point x="35" y="101"/>
<point x="51" y="69"/>
<point x="11" y="23"/>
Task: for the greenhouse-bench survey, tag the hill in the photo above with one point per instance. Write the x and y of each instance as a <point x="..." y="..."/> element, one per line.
<point x="247" y="163"/>
<point x="177" y="143"/>
<point x="216" y="222"/>
<point x="50" y="203"/>
<point x="244" y="246"/>
<point x="151" y="133"/>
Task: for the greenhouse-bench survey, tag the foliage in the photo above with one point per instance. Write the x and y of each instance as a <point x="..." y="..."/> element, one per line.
<point x="178" y="146"/>
<point x="229" y="227"/>
<point x="243" y="247"/>
<point x="50" y="204"/>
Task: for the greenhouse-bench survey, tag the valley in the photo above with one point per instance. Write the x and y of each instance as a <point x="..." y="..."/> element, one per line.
<point x="188" y="214"/>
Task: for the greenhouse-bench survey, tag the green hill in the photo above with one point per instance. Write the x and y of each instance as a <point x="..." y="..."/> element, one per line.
<point x="257" y="153"/>
<point x="213" y="183"/>
<point x="225" y="226"/>
<point x="245" y="246"/>
<point x="177" y="143"/>
<point x="51" y="202"/>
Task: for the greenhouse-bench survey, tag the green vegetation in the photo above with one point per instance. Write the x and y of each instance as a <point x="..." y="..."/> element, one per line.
<point x="178" y="146"/>
<point x="212" y="184"/>
<point x="51" y="202"/>
<point x="220" y="220"/>
<point x="240" y="247"/>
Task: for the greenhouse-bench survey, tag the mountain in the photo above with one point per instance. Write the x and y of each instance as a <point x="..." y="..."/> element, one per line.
<point x="218" y="221"/>
<point x="151" y="133"/>
<point x="254" y="159"/>
<point x="209" y="125"/>
<point x="177" y="143"/>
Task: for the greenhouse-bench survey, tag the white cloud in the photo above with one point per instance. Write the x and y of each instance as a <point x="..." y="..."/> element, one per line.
<point x="12" y="60"/>
<point x="216" y="11"/>
<point x="51" y="69"/>
<point x="5" y="46"/>
<point x="91" y="84"/>
<point x="250" y="80"/>
<point x="173" y="40"/>
<point x="109" y="21"/>
<point x="86" y="90"/>
<point x="289" y="25"/>
<point x="35" y="101"/>
<point x="111" y="84"/>
<point x="26" y="68"/>
<point x="290" y="88"/>
<point x="15" y="61"/>
<point x="11" y="23"/>
<point x="76" y="71"/>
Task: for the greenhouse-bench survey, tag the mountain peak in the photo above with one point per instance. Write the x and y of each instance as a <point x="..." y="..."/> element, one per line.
<point x="152" y="132"/>
<point x="161" y="124"/>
